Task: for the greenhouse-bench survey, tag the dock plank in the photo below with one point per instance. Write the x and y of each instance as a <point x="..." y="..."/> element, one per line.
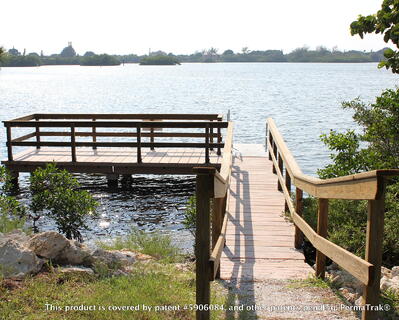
<point x="259" y="239"/>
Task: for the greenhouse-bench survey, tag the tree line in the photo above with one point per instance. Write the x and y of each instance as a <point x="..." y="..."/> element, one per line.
<point x="68" y="56"/>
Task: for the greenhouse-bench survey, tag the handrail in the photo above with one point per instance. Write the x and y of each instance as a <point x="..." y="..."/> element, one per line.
<point x="360" y="186"/>
<point x="367" y="186"/>
<point x="145" y="125"/>
<point x="211" y="185"/>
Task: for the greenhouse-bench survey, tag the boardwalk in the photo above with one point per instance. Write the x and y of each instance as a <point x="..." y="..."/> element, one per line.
<point x="259" y="241"/>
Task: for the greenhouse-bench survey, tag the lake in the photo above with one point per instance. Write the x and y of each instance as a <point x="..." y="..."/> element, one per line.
<point x="303" y="98"/>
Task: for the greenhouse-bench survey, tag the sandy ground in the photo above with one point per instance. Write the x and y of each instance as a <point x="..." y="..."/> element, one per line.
<point x="282" y="299"/>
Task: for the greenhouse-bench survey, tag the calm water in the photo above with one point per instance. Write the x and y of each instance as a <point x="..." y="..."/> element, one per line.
<point x="304" y="100"/>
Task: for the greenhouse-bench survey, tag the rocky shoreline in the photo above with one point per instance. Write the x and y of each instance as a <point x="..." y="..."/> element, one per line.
<point x="22" y="255"/>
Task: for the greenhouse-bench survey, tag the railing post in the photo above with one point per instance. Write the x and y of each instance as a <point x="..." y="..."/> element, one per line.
<point x="217" y="221"/>
<point x="152" y="140"/>
<point x="374" y="240"/>
<point x="94" y="131"/>
<point x="37" y="133"/>
<point x="207" y="143"/>
<point x="322" y="221"/>
<point x="276" y="155"/>
<point x="211" y="134"/>
<point x="219" y="152"/>
<point x="281" y="169"/>
<point x="9" y="143"/>
<point x="73" y="142"/>
<point x="288" y="185"/>
<point x="139" y="160"/>
<point x="204" y="188"/>
<point x="299" y="211"/>
<point x="270" y="147"/>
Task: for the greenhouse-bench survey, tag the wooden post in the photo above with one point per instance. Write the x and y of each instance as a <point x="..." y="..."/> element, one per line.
<point x="94" y="131"/>
<point x="37" y="134"/>
<point x="276" y="155"/>
<point x="374" y="238"/>
<point x="152" y="140"/>
<point x="211" y="132"/>
<point x="288" y="185"/>
<point x="219" y="152"/>
<point x="299" y="211"/>
<point x="322" y="221"/>
<point x="204" y="189"/>
<point x="139" y="160"/>
<point x="9" y="143"/>
<point x="270" y="146"/>
<point x="73" y="143"/>
<point x="207" y="144"/>
<point x="217" y="221"/>
<point x="280" y="168"/>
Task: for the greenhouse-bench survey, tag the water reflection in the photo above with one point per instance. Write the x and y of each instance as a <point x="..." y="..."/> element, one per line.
<point x="151" y="203"/>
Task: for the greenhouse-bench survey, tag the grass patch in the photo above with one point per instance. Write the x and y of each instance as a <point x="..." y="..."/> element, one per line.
<point x="312" y="281"/>
<point x="391" y="298"/>
<point x="152" y="284"/>
<point x="157" y="245"/>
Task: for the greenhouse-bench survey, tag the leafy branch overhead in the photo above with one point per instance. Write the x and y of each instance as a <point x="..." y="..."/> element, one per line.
<point x="386" y="22"/>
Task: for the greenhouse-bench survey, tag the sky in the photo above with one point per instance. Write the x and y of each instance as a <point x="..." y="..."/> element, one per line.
<point x="183" y="26"/>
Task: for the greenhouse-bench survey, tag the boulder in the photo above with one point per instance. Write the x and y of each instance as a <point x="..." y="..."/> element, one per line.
<point x="16" y="235"/>
<point x="385" y="272"/>
<point x="395" y="272"/>
<point x="48" y="244"/>
<point x="17" y="261"/>
<point x="114" y="258"/>
<point x="74" y="254"/>
<point x="385" y="283"/>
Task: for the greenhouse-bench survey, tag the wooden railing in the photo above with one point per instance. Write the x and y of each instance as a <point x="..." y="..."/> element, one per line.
<point x="363" y="186"/>
<point x="211" y="195"/>
<point x="144" y="125"/>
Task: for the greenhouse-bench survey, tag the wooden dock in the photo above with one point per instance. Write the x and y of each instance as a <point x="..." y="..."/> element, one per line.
<point x="259" y="239"/>
<point x="241" y="195"/>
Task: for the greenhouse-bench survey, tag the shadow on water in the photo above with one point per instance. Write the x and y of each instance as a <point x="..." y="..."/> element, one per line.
<point x="151" y="203"/>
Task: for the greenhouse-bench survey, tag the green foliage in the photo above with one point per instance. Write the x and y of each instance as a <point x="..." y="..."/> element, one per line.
<point x="390" y="297"/>
<point x="157" y="245"/>
<point x="189" y="215"/>
<point x="22" y="61"/>
<point x="159" y="60"/>
<point x="2" y="54"/>
<point x="68" y="52"/>
<point x="375" y="147"/>
<point x="12" y="213"/>
<point x="99" y="60"/>
<point x="386" y="22"/>
<point x="55" y="192"/>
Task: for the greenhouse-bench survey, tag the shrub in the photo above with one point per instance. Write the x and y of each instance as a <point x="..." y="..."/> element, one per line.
<point x="376" y="147"/>
<point x="12" y="213"/>
<point x="55" y="192"/>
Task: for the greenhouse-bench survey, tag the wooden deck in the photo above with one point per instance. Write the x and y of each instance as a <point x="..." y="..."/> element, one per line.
<point x="259" y="240"/>
<point x="112" y="160"/>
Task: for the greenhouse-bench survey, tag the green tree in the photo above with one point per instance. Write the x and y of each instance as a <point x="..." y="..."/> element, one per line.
<point x="55" y="192"/>
<point x="386" y="22"/>
<point x="2" y="54"/>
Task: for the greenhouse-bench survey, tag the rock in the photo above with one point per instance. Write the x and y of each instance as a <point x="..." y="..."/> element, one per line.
<point x="345" y="290"/>
<point x="385" y="283"/>
<point x="17" y="261"/>
<point x="114" y="258"/>
<point x="395" y="272"/>
<point x="332" y="266"/>
<point x="16" y="235"/>
<point x="48" y="244"/>
<point x="74" y="254"/>
<point x="359" y="301"/>
<point x="76" y="270"/>
<point x="385" y="272"/>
